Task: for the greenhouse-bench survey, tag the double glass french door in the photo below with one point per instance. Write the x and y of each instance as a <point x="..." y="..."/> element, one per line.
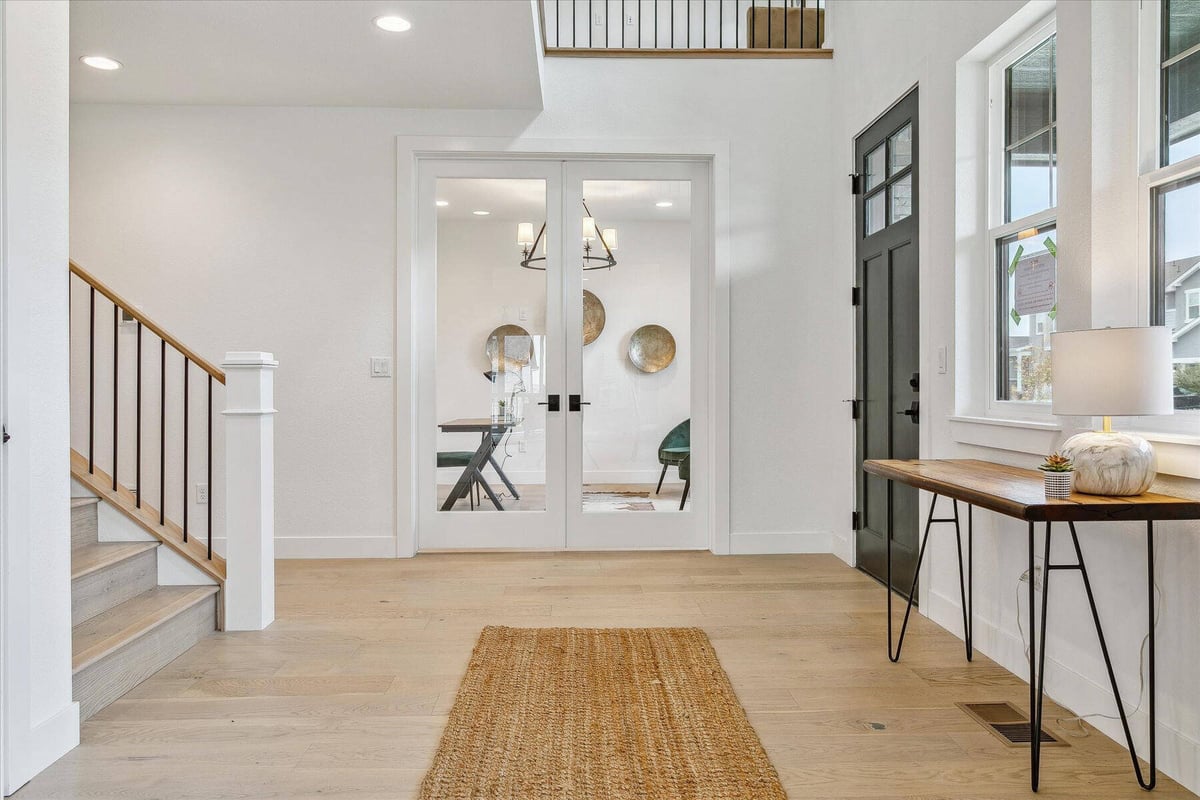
<point x="563" y="354"/>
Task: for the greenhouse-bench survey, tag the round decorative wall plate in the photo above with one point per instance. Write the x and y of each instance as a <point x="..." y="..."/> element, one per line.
<point x="651" y="348"/>
<point x="509" y="347"/>
<point x="593" y="317"/>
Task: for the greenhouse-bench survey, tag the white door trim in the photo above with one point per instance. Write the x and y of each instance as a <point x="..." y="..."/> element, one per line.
<point x="410" y="150"/>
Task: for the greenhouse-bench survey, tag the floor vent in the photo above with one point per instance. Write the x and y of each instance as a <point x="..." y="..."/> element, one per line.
<point x="1007" y="723"/>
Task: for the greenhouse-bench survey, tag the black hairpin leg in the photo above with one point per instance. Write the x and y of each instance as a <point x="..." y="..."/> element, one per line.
<point x="895" y="656"/>
<point x="1036" y="691"/>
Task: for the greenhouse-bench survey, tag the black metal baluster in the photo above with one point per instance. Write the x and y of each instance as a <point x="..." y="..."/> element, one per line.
<point x="785" y="22"/>
<point x="590" y="23"/>
<point x="639" y="29"/>
<point x="672" y="25"/>
<point x="720" y="24"/>
<point x="116" y="389"/>
<point x="606" y="41"/>
<point x="737" y="24"/>
<point x="704" y="24"/>
<point x="770" y="41"/>
<point x="574" y="24"/>
<point x="210" y="466"/>
<point x="752" y="22"/>
<point x="138" y="424"/>
<point x="557" y="22"/>
<point x="622" y="23"/>
<point x="688" y="17"/>
<point x="655" y="24"/>
<point x="187" y="500"/>
<point x="92" y="381"/>
<point x="162" y="431"/>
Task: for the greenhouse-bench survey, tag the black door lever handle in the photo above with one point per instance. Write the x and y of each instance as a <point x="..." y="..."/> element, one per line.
<point x="551" y="402"/>
<point x="575" y="401"/>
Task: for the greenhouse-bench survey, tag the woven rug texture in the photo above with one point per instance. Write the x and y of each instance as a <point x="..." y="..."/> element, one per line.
<point x="598" y="714"/>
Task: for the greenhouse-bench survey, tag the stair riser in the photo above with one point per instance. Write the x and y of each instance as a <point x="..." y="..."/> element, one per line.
<point x="83" y="525"/>
<point x="106" y="680"/>
<point x="96" y="593"/>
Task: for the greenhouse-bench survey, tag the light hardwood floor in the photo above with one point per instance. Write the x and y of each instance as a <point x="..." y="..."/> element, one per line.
<point x="346" y="694"/>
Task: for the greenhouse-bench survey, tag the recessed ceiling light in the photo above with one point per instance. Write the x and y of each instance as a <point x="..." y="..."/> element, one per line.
<point x="664" y="204"/>
<point x="443" y="203"/>
<point x="101" y="62"/>
<point x="392" y="24"/>
<point x="481" y="213"/>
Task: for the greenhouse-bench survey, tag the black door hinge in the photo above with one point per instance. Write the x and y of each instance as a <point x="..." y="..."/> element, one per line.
<point x="853" y="520"/>
<point x="6" y="436"/>
<point x="855" y="296"/>
<point x="856" y="183"/>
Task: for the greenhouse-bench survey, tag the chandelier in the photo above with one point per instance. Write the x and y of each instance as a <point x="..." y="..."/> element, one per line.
<point x="591" y="233"/>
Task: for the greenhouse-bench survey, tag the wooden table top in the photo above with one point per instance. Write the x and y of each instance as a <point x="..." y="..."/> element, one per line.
<point x="1020" y="493"/>
<point x="474" y="425"/>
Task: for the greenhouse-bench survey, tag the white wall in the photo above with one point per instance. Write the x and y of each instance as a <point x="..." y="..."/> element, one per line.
<point x="277" y="226"/>
<point x="1097" y="286"/>
<point x="40" y="721"/>
<point x="481" y="286"/>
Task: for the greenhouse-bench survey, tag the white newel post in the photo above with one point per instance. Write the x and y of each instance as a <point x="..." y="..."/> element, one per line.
<point x="249" y="490"/>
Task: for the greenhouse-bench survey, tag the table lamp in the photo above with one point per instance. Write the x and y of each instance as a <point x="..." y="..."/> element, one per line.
<point x="1111" y="372"/>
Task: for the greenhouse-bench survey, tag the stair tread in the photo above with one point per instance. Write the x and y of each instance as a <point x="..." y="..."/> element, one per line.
<point x="76" y="502"/>
<point x="105" y="633"/>
<point x="94" y="557"/>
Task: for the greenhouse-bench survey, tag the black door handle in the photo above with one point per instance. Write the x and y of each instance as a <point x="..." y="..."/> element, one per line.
<point x="912" y="412"/>
<point x="551" y="402"/>
<point x="574" y="401"/>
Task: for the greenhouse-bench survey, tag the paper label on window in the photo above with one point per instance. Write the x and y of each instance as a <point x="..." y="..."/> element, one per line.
<point x="1034" y="280"/>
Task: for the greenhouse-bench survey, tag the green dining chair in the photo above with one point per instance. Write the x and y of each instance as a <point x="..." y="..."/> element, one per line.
<point x="685" y="472"/>
<point x="674" y="450"/>
<point x="460" y="459"/>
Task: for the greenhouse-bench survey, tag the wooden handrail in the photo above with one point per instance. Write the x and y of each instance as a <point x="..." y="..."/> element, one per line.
<point x="128" y="307"/>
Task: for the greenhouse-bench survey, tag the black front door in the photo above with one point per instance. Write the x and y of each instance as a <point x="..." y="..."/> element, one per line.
<point x="887" y="337"/>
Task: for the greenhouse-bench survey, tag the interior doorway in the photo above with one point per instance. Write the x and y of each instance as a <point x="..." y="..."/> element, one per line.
<point x="563" y="365"/>
<point x="888" y="378"/>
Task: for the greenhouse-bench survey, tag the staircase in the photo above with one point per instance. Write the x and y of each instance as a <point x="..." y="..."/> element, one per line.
<point x="125" y="625"/>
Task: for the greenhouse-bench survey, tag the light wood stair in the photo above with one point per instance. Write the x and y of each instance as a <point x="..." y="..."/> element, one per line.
<point x="126" y="626"/>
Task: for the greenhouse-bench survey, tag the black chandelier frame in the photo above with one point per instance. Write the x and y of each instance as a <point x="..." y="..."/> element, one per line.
<point x="590" y="262"/>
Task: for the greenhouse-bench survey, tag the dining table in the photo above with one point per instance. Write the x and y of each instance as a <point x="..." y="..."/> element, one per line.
<point x="491" y="433"/>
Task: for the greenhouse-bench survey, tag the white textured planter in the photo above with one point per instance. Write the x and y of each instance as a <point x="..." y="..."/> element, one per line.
<point x="1058" y="484"/>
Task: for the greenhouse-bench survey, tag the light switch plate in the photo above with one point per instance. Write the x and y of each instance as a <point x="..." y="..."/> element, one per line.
<point x="381" y="367"/>
<point x="941" y="353"/>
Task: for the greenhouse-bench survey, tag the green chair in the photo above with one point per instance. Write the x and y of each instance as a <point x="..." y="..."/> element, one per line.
<point x="674" y="450"/>
<point x="460" y="459"/>
<point x="685" y="472"/>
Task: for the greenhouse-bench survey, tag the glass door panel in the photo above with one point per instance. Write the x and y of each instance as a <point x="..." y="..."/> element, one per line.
<point x="491" y="346"/>
<point x="490" y="291"/>
<point x="636" y="343"/>
<point x="636" y="265"/>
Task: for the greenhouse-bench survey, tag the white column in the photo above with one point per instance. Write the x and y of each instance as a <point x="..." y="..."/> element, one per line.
<point x="249" y="490"/>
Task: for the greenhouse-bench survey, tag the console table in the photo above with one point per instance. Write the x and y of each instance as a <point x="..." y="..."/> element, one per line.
<point x="1019" y="493"/>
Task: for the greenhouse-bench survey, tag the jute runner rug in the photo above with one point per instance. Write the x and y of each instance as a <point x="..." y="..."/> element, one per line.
<point x="598" y="714"/>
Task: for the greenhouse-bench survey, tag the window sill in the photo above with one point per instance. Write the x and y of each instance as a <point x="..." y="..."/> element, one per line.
<point x="1016" y="435"/>
<point x="1178" y="453"/>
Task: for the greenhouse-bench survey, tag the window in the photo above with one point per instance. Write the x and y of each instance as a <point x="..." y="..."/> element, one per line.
<point x="1030" y="131"/>
<point x="1177" y="282"/>
<point x="1180" y="81"/>
<point x="1025" y="314"/>
<point x="1024" y="189"/>
<point x="887" y="176"/>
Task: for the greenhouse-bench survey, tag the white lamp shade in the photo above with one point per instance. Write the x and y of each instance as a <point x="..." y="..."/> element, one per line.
<point x="1112" y="372"/>
<point x="610" y="238"/>
<point x="525" y="234"/>
<point x="589" y="229"/>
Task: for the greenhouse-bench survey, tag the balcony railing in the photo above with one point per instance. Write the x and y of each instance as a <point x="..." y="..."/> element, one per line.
<point x="696" y="28"/>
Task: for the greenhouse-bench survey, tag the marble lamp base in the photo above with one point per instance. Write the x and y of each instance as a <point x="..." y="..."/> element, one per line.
<point x="1118" y="464"/>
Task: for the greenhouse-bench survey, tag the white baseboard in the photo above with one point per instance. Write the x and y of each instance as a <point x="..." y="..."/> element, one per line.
<point x="46" y="743"/>
<point x="779" y="542"/>
<point x="843" y="547"/>
<point x="1178" y="753"/>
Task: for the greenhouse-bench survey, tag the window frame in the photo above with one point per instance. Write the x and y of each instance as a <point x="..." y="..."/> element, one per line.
<point x="998" y="229"/>
<point x="1154" y="180"/>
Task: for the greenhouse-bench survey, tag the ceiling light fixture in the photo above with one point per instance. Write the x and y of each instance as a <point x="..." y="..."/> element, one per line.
<point x="591" y="232"/>
<point x="101" y="62"/>
<point x="481" y="213"/>
<point x="664" y="204"/>
<point x="443" y="203"/>
<point x="392" y="24"/>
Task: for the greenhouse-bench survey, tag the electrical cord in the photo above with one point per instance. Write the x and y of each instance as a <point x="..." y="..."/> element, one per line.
<point x="1079" y="718"/>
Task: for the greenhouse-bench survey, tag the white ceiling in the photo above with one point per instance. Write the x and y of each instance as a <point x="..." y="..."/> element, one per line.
<point x="307" y="52"/>
<point x="523" y="200"/>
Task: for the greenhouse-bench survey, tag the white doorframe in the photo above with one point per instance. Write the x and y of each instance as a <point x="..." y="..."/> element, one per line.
<point x="410" y="151"/>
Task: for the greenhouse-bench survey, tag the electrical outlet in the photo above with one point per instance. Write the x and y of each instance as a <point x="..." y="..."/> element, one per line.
<point x="1038" y="573"/>
<point x="629" y="18"/>
<point x="202" y="494"/>
<point x="598" y="18"/>
<point x="941" y="357"/>
<point x="521" y="446"/>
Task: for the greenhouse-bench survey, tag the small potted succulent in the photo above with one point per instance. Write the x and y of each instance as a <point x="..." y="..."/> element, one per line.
<point x="1057" y="471"/>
